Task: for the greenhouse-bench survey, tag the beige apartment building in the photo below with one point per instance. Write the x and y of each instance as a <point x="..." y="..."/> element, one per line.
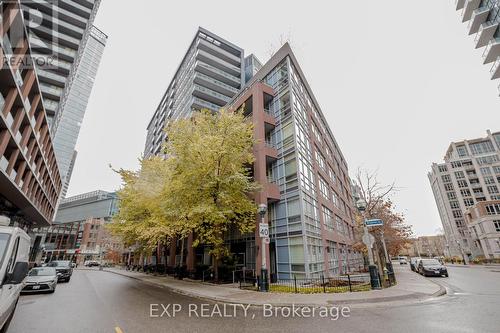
<point x="483" y="219"/>
<point x="470" y="174"/>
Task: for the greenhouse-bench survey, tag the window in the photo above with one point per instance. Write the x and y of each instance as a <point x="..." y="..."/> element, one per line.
<point x="320" y="159"/>
<point x="446" y="178"/>
<point x="496" y="169"/>
<point x="489" y="180"/>
<point x="462" y="151"/>
<point x="448" y="187"/>
<point x="465" y="193"/>
<point x="496" y="223"/>
<point x="487" y="159"/>
<point x="486" y="171"/>
<point x="454" y="205"/>
<point x="328" y="219"/>
<point x="451" y="195"/>
<point x="493" y="209"/>
<point x="468" y="202"/>
<point x="323" y="188"/>
<point x="492" y="189"/>
<point x="457" y="214"/>
<point x="442" y="168"/>
<point x="482" y="147"/>
<point x="462" y="183"/>
<point x="459" y="175"/>
<point x="316" y="132"/>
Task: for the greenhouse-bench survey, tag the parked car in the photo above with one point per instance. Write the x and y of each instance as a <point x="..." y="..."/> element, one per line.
<point x="14" y="252"/>
<point x="432" y="267"/>
<point x="91" y="263"/>
<point x="41" y="279"/>
<point x="403" y="261"/>
<point x="63" y="269"/>
<point x="413" y="263"/>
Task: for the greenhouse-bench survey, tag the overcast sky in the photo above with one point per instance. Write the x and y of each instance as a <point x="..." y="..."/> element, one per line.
<point x="397" y="80"/>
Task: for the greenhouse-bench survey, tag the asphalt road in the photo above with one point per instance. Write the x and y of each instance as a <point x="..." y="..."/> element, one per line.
<point x="97" y="301"/>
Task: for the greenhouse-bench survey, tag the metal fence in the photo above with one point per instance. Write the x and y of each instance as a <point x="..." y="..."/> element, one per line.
<point x="339" y="284"/>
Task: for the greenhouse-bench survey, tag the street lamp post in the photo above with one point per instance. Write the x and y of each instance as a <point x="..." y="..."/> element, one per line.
<point x="374" y="280"/>
<point x="264" y="286"/>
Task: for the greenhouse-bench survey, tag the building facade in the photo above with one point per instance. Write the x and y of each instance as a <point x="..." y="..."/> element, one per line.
<point x="71" y="118"/>
<point x="483" y="219"/>
<point x="483" y="17"/>
<point x="79" y="229"/>
<point x="62" y="33"/>
<point x="428" y="246"/>
<point x="303" y="173"/>
<point x="210" y="74"/>
<point x="29" y="176"/>
<point x="297" y="160"/>
<point x="470" y="174"/>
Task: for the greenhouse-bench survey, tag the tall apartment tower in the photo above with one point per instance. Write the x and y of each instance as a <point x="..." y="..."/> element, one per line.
<point x="211" y="72"/>
<point x="29" y="177"/>
<point x="70" y="119"/>
<point x="62" y="31"/>
<point x="470" y="174"/>
<point x="484" y="17"/>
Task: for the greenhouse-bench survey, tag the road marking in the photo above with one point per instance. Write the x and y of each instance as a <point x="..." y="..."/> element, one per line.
<point x="118" y="330"/>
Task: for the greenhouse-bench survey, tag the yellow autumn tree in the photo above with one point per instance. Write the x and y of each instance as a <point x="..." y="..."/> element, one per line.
<point x="202" y="187"/>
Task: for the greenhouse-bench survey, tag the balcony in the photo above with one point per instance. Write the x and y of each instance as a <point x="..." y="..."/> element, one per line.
<point x="485" y="34"/>
<point x="495" y="69"/>
<point x="492" y="51"/>
<point x="460" y="4"/>
<point x="218" y="63"/>
<point x="218" y="74"/>
<point x="214" y="84"/>
<point x="272" y="192"/>
<point x="470" y="6"/>
<point x="219" y="52"/>
<point x="198" y="103"/>
<point x="479" y="16"/>
<point x="210" y="95"/>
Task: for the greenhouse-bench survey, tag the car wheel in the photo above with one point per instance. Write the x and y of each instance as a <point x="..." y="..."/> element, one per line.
<point x="67" y="280"/>
<point x="446" y="275"/>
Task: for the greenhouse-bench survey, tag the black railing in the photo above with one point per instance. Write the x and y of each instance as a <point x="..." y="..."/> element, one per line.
<point x="343" y="283"/>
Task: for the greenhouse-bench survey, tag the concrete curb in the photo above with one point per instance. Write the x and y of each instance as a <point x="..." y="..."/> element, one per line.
<point x="415" y="296"/>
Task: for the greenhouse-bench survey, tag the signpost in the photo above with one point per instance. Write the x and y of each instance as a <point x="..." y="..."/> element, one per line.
<point x="374" y="223"/>
<point x="264" y="230"/>
<point x="368" y="239"/>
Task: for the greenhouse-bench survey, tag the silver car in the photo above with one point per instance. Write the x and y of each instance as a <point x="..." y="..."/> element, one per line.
<point x="41" y="279"/>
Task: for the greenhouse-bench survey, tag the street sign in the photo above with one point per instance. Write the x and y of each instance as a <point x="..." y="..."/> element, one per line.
<point x="374" y="223"/>
<point x="368" y="239"/>
<point x="263" y="230"/>
<point x="267" y="240"/>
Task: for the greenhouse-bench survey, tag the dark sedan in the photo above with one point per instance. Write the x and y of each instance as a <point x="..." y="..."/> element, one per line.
<point x="63" y="268"/>
<point x="431" y="267"/>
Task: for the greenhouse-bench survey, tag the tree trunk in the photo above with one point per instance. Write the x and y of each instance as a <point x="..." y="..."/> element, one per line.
<point x="182" y="253"/>
<point x="216" y="269"/>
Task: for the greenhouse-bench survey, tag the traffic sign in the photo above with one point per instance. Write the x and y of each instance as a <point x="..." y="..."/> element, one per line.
<point x="368" y="239"/>
<point x="374" y="223"/>
<point x="263" y="230"/>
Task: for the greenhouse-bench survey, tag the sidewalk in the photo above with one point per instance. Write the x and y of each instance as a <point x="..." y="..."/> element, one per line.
<point x="411" y="286"/>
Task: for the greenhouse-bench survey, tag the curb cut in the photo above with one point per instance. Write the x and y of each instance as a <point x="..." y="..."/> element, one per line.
<point x="416" y="296"/>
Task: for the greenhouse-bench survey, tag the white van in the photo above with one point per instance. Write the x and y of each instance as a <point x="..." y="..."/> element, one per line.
<point x="14" y="254"/>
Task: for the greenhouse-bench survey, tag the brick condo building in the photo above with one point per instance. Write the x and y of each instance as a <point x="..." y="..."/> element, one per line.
<point x="29" y="177"/>
<point x="298" y="162"/>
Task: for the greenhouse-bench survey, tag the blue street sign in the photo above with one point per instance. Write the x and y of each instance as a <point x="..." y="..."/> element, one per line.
<point x="374" y="223"/>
